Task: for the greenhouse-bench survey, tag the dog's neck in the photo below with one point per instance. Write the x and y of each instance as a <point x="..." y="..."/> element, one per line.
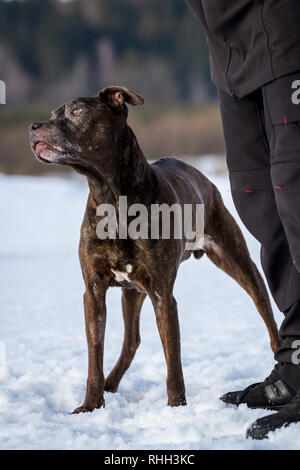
<point x="133" y="177"/>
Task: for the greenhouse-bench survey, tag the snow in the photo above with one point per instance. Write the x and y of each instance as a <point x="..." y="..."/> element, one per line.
<point x="224" y="342"/>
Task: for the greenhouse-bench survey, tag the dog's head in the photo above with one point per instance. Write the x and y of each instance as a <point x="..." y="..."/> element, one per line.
<point x="83" y="132"/>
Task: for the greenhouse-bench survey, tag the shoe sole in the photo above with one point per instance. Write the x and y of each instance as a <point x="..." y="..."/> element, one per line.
<point x="270" y="407"/>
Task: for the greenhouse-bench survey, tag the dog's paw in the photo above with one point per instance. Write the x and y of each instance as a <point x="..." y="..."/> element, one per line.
<point x="89" y="408"/>
<point x="177" y="401"/>
<point x="81" y="409"/>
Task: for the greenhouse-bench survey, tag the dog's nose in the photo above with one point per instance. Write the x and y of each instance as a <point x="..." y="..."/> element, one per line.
<point x="35" y="125"/>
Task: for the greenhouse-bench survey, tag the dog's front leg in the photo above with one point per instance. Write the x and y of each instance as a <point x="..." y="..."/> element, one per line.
<point x="167" y="321"/>
<point x="95" y="319"/>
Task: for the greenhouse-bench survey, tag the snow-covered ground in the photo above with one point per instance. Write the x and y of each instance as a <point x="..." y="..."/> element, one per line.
<point x="224" y="341"/>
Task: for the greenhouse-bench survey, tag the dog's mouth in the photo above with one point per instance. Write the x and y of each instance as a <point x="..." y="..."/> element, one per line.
<point x="47" y="153"/>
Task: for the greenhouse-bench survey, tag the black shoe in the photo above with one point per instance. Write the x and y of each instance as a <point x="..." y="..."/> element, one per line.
<point x="288" y="414"/>
<point x="272" y="394"/>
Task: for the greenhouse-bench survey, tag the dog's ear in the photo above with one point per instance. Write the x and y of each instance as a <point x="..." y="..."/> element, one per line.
<point x="117" y="96"/>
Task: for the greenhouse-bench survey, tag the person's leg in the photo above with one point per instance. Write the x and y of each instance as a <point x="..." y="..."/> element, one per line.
<point x="283" y="130"/>
<point x="248" y="161"/>
<point x="283" y="126"/>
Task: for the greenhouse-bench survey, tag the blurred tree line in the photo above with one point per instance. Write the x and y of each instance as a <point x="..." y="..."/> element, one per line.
<point x="52" y="50"/>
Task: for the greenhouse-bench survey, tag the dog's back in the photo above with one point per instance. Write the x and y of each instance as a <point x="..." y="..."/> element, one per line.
<point x="190" y="185"/>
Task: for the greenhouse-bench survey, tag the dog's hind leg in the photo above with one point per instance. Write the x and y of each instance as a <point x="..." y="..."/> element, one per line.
<point x="227" y="249"/>
<point x="132" y="302"/>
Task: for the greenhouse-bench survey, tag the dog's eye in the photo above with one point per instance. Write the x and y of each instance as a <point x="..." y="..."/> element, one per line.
<point x="76" y="111"/>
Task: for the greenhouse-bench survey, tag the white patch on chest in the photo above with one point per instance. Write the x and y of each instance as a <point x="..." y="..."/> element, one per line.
<point x="123" y="276"/>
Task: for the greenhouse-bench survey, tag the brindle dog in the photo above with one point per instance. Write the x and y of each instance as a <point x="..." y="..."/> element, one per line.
<point x="91" y="136"/>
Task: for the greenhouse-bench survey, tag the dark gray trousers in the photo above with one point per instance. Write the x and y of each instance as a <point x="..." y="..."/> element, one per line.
<point x="262" y="136"/>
